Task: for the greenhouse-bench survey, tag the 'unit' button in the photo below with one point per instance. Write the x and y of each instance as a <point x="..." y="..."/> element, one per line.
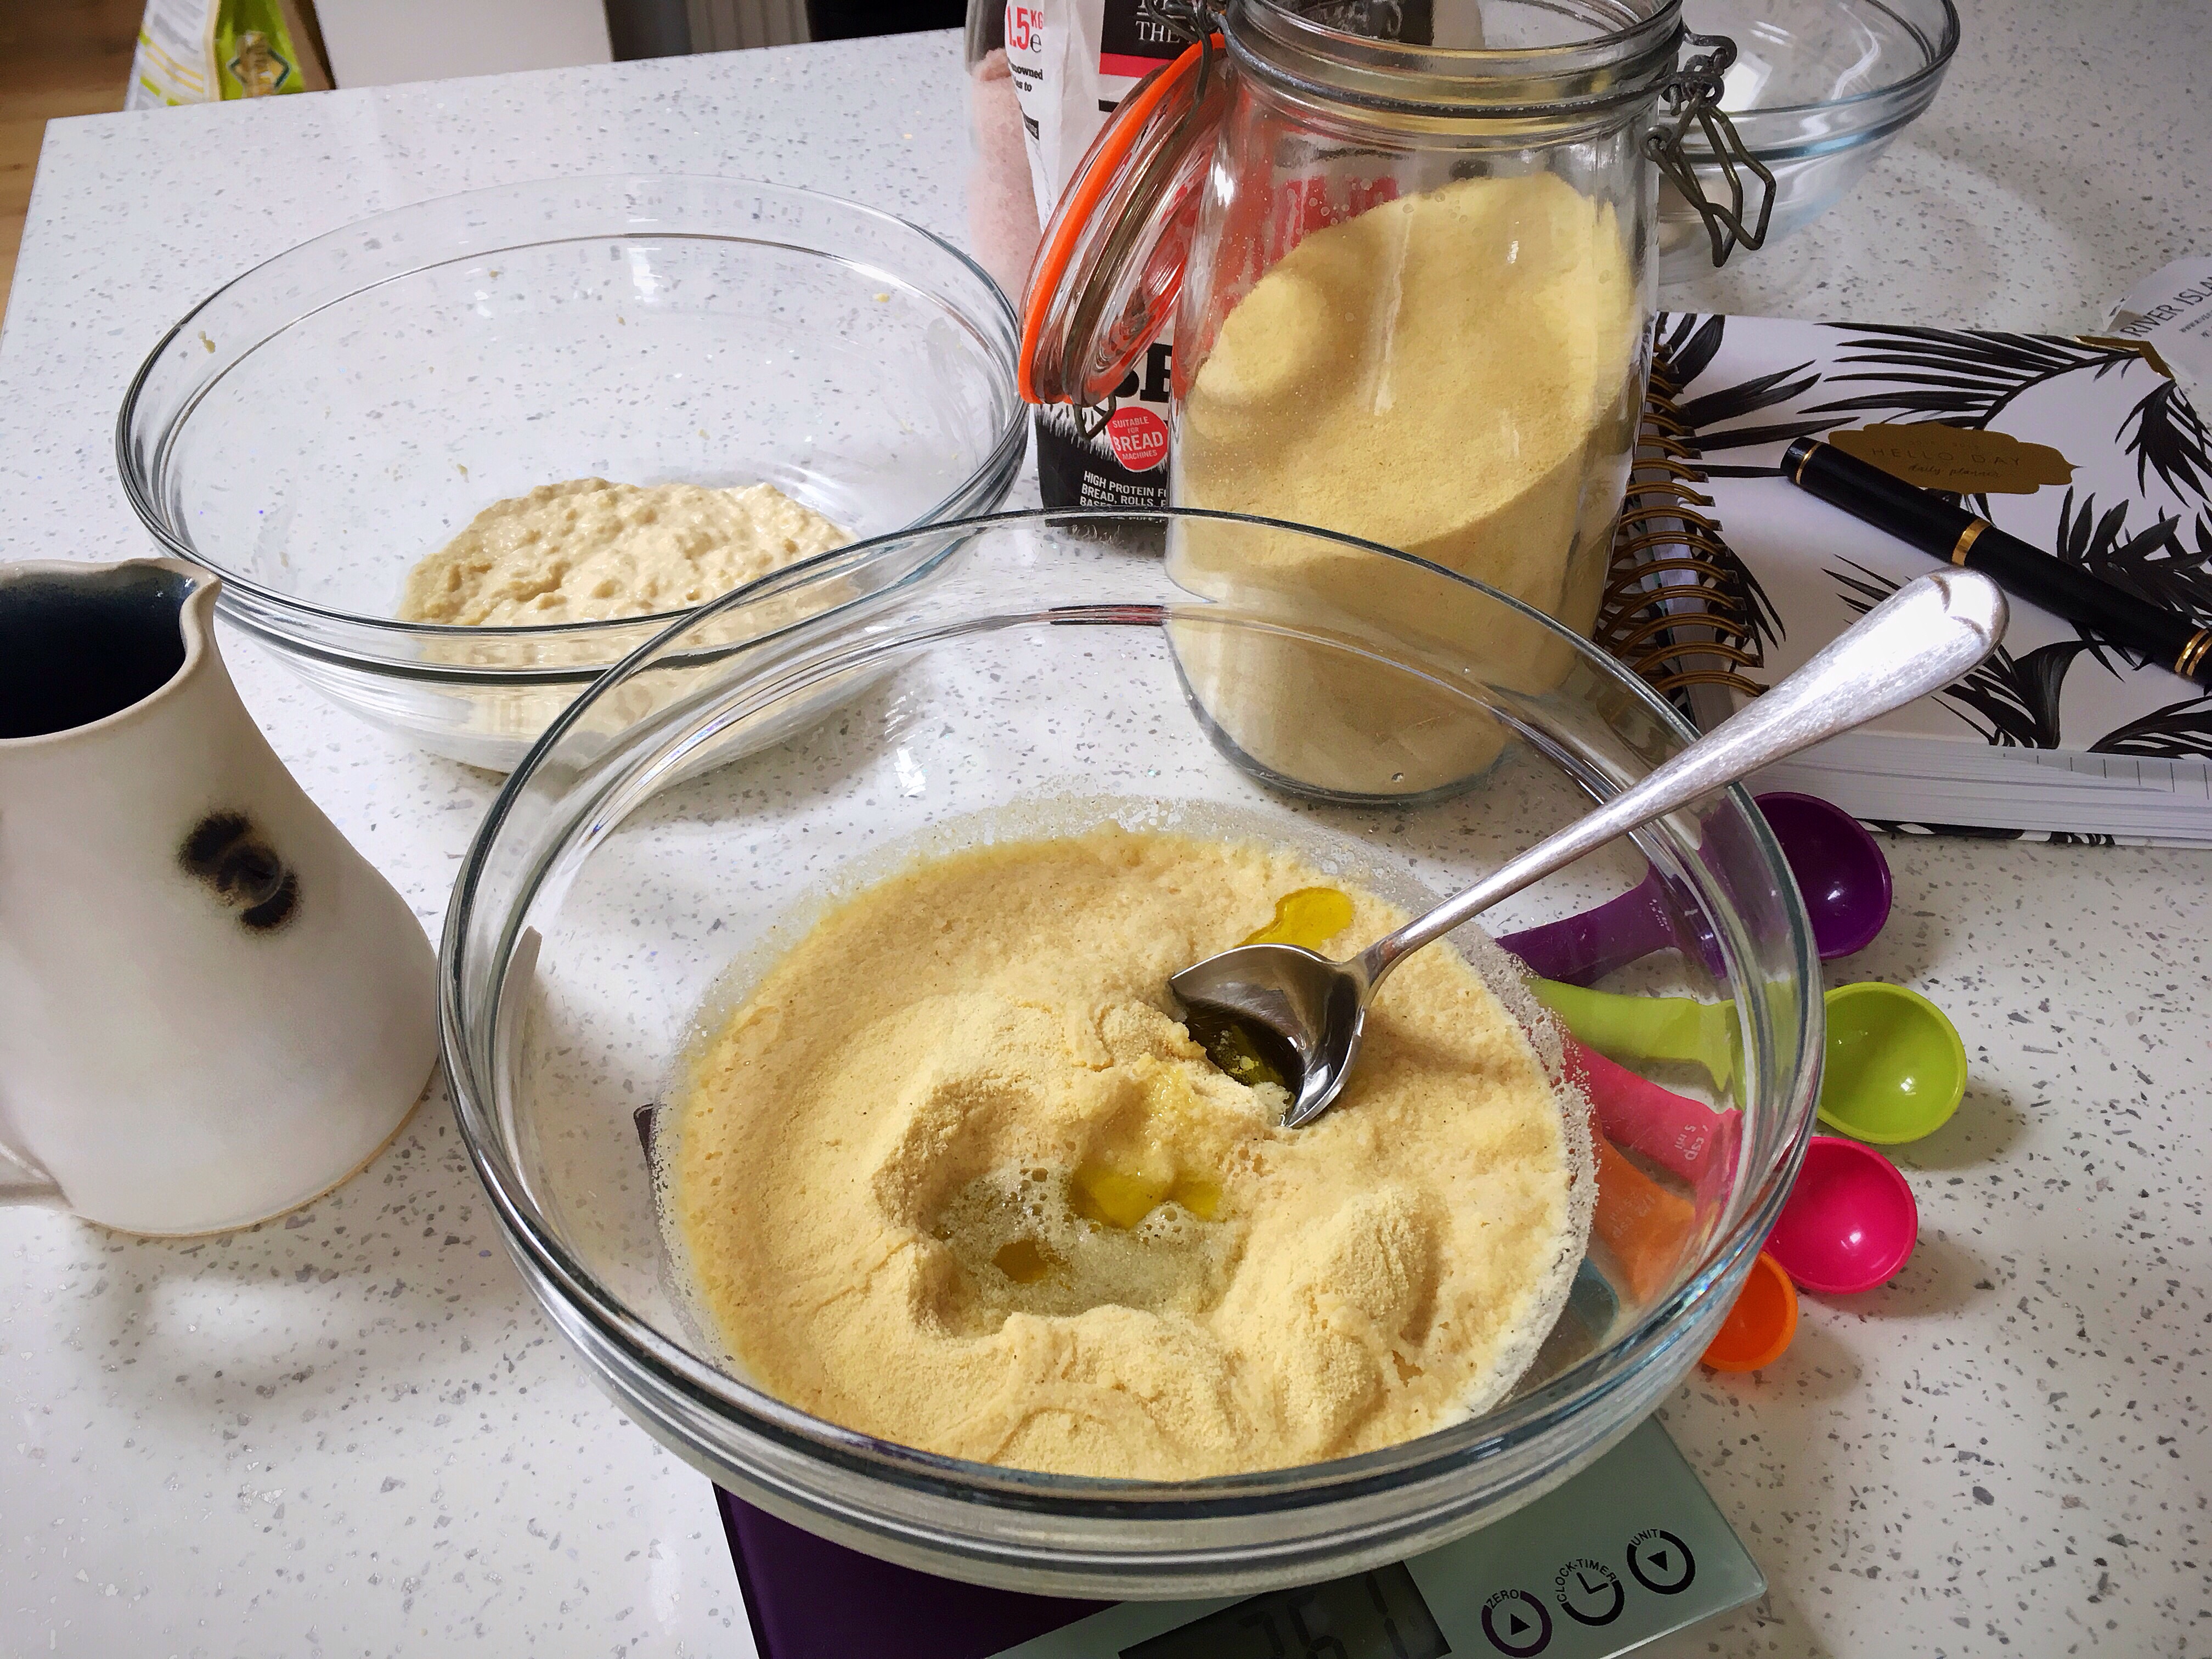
<point x="1661" y="1561"/>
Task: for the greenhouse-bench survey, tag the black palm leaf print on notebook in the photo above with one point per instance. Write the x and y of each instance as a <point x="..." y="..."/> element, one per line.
<point x="2152" y="564"/>
<point x="1983" y="832"/>
<point x="2017" y="699"/>
<point x="1920" y="373"/>
<point x="1690" y="343"/>
<point x="2179" y="729"/>
<point x="2167" y="437"/>
<point x="2182" y="577"/>
<point x="1969" y="379"/>
<point x="1950" y="375"/>
<point x="2011" y="701"/>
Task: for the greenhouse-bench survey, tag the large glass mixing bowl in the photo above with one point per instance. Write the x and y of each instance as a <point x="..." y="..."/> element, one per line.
<point x="315" y="427"/>
<point x="1033" y="673"/>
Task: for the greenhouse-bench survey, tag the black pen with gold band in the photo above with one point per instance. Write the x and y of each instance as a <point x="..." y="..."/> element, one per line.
<point x="1929" y="522"/>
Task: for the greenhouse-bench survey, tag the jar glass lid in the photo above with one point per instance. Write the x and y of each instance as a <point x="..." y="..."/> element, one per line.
<point x="1109" y="265"/>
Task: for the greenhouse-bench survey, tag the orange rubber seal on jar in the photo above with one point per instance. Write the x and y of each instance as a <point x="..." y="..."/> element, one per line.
<point x="1100" y="171"/>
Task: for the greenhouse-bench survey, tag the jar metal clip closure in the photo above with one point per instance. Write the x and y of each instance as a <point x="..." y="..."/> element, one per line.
<point x="1693" y="97"/>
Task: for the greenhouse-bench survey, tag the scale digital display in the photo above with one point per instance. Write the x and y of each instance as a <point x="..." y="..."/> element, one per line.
<point x="1377" y="1615"/>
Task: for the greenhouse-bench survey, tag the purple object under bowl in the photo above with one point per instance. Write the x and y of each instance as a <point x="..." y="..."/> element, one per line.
<point x="808" y="1598"/>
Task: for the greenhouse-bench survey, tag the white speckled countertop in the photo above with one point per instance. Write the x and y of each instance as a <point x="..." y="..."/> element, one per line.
<point x="351" y="1433"/>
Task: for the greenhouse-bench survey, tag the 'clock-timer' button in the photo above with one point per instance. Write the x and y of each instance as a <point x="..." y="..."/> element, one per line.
<point x="1588" y="1592"/>
<point x="1516" y="1624"/>
<point x="1661" y="1561"/>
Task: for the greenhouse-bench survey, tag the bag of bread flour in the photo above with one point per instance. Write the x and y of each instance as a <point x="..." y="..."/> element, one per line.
<point x="1073" y="62"/>
<point x="201" y="52"/>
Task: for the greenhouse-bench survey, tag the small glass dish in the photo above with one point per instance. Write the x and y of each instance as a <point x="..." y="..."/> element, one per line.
<point x="1818" y="91"/>
<point x="320" y="424"/>
<point x="1033" y="674"/>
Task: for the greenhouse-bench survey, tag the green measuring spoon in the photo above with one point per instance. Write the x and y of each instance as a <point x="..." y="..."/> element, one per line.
<point x="1896" y="1067"/>
<point x="1631" y="1029"/>
<point x="1895" y="1070"/>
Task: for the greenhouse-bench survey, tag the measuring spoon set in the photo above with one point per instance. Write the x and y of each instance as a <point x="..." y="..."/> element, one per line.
<point x="1895" y="1070"/>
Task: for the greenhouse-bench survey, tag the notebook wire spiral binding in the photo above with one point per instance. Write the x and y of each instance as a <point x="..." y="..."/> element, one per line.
<point x="1678" y="608"/>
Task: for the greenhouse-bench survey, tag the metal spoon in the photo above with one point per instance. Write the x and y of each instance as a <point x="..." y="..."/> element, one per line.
<point x="1302" y="1015"/>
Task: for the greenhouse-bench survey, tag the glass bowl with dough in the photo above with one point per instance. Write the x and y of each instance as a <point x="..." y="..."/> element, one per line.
<point x="454" y="460"/>
<point x="938" y="1237"/>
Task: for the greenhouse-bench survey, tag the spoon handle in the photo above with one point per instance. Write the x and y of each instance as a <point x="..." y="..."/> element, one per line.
<point x="1929" y="633"/>
<point x="1686" y="1138"/>
<point x="1576" y="950"/>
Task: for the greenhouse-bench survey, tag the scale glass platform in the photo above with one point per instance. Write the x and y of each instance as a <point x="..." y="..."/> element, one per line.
<point x="1630" y="1550"/>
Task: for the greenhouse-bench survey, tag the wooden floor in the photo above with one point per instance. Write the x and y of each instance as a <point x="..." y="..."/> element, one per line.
<point x="57" y="57"/>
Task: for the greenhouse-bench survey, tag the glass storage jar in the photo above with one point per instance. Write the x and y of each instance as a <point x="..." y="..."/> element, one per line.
<point x="1412" y="244"/>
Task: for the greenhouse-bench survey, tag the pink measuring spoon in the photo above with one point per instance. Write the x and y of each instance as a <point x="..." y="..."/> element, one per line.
<point x="1683" y="1137"/>
<point x="1850" y="1223"/>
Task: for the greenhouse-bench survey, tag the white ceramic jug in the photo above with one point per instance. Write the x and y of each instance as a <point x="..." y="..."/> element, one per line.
<point x="212" y="1009"/>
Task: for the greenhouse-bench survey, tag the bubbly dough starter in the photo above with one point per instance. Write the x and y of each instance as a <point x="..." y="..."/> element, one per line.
<point x="951" y="1175"/>
<point x="588" y="550"/>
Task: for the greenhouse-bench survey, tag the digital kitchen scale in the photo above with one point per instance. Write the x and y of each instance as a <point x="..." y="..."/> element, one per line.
<point x="1630" y="1550"/>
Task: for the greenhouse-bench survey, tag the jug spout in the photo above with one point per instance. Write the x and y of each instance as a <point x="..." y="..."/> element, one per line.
<point x="81" y="644"/>
<point x="212" y="1008"/>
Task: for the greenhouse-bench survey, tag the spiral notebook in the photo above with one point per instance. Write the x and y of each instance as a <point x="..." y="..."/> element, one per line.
<point x="1725" y="577"/>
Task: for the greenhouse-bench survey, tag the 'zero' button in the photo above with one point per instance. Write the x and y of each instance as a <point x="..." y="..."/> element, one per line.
<point x="1516" y="1624"/>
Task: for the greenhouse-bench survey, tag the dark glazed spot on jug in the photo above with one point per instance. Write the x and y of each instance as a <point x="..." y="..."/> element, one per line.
<point x="76" y="649"/>
<point x="225" y="851"/>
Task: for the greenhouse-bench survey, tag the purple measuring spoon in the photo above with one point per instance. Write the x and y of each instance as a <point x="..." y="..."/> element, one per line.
<point x="1839" y="870"/>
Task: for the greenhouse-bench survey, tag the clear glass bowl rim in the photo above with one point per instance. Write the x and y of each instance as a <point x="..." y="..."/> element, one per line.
<point x="708" y="1390"/>
<point x="1902" y="91"/>
<point x="138" y="488"/>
